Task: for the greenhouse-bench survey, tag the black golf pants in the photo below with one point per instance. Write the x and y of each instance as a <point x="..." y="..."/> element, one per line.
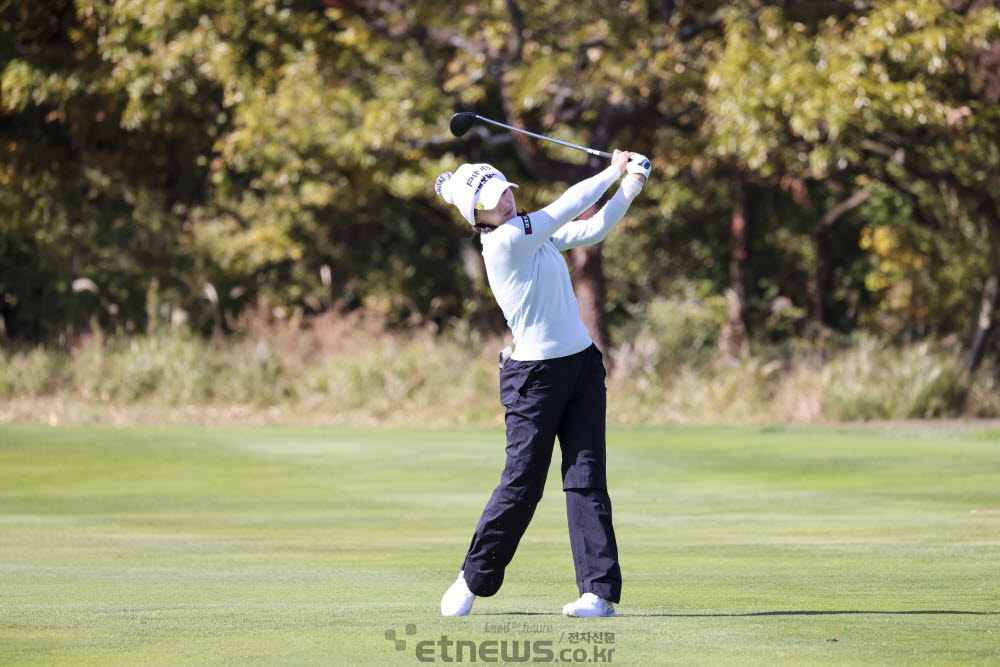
<point x="565" y="398"/>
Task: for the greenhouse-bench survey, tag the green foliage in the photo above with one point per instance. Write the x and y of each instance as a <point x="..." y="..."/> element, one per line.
<point x="885" y="99"/>
<point x="923" y="278"/>
<point x="234" y="154"/>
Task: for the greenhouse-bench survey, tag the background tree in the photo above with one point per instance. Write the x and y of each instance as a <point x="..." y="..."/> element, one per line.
<point x="832" y="167"/>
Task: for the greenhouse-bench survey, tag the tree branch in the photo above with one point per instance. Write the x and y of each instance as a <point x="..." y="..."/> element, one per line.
<point x="516" y="46"/>
<point x="845" y="207"/>
<point x="689" y="31"/>
<point x="667" y="10"/>
<point x="367" y="12"/>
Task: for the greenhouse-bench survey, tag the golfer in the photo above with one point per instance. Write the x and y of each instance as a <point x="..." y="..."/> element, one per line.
<point x="553" y="383"/>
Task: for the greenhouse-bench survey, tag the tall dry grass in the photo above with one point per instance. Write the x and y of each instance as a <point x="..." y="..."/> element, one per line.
<point x="349" y="369"/>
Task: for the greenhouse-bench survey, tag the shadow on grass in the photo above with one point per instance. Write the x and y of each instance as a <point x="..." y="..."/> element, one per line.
<point x="522" y="613"/>
<point x="832" y="612"/>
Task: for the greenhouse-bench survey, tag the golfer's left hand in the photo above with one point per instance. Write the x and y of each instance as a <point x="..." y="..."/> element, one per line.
<point x="620" y="159"/>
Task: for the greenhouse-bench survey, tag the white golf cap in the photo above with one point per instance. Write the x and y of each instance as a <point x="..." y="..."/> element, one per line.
<point x="472" y="187"/>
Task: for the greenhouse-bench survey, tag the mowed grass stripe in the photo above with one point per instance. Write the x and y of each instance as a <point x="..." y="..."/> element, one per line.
<point x="298" y="546"/>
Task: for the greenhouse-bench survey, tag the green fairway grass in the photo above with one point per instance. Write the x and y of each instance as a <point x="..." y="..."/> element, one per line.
<point x="282" y="546"/>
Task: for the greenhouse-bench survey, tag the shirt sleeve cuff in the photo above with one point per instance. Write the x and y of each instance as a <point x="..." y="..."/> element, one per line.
<point x="631" y="186"/>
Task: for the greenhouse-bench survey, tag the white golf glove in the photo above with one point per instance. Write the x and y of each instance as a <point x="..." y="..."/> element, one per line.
<point x="638" y="164"/>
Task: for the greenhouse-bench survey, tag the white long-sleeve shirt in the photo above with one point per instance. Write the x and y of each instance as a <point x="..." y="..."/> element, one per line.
<point x="529" y="276"/>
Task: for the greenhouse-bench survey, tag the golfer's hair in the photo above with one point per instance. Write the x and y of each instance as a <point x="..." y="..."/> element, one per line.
<point x="478" y="228"/>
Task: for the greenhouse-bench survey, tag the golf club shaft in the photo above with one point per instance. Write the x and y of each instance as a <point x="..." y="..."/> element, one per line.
<point x="592" y="151"/>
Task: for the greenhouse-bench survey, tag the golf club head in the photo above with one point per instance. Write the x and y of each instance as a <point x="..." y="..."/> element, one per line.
<point x="462" y="122"/>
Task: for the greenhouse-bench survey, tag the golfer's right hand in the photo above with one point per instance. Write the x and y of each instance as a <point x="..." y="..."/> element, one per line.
<point x="638" y="166"/>
<point x="620" y="159"/>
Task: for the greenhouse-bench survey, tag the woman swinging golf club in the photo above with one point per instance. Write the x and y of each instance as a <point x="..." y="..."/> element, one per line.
<point x="553" y="384"/>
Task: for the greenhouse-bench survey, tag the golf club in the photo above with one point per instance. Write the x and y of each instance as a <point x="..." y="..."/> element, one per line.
<point x="463" y="121"/>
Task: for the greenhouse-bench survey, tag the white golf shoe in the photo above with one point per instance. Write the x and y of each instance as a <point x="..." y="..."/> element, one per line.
<point x="589" y="606"/>
<point x="458" y="599"/>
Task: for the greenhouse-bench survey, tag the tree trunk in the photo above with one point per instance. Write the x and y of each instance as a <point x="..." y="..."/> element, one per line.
<point x="985" y="324"/>
<point x="591" y="292"/>
<point x="737" y="328"/>
<point x="475" y="273"/>
<point x="819" y="284"/>
<point x="991" y="292"/>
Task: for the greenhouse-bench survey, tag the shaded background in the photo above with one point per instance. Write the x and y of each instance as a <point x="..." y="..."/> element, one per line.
<point x="821" y="169"/>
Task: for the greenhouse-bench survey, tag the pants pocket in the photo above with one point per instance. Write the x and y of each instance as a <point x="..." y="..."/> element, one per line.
<point x="513" y="377"/>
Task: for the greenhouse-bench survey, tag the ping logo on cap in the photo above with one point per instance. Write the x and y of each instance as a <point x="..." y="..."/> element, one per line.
<point x="483" y="168"/>
<point x="482" y="182"/>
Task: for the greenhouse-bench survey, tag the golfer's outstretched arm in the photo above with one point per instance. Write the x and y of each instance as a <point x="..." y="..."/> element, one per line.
<point x="594" y="229"/>
<point x="526" y="234"/>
